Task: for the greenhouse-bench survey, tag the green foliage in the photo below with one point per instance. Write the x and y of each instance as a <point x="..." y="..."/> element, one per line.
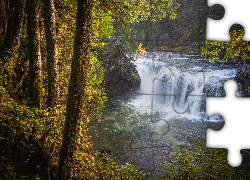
<point x="30" y="134"/>
<point x="236" y="48"/>
<point x="127" y="33"/>
<point x="201" y="163"/>
<point x="106" y="168"/>
<point x="126" y="13"/>
<point x="36" y="134"/>
<point x="186" y="30"/>
<point x="95" y="94"/>
<point x="102" y="30"/>
<point x="139" y="10"/>
<point x="33" y="137"/>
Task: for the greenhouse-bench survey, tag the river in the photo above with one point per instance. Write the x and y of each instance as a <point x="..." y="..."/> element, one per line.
<point x="142" y="127"/>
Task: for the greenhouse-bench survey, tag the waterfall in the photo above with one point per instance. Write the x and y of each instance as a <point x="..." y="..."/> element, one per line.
<point x="165" y="84"/>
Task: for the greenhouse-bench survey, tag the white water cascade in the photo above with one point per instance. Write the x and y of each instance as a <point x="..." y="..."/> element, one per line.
<point x="174" y="90"/>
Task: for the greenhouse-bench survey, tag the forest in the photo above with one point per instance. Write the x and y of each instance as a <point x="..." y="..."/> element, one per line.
<point x="62" y="60"/>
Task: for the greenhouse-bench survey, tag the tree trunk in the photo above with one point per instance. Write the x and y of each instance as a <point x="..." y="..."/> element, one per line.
<point x="3" y="16"/>
<point x="245" y="67"/>
<point x="148" y="29"/>
<point x="34" y="51"/>
<point x="14" y="31"/>
<point x="52" y="53"/>
<point x="79" y="70"/>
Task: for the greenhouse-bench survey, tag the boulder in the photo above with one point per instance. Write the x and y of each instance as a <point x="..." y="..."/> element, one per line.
<point x="121" y="75"/>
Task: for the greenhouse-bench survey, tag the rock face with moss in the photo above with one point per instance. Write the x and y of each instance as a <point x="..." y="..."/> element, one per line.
<point x="121" y="75"/>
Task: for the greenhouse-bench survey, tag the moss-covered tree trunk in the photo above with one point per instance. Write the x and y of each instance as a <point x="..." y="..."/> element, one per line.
<point x="79" y="70"/>
<point x="52" y="52"/>
<point x="34" y="51"/>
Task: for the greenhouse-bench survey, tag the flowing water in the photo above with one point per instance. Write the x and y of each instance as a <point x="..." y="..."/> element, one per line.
<point x="169" y="110"/>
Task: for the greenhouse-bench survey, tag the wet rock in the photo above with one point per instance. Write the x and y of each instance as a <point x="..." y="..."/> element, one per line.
<point x="121" y="75"/>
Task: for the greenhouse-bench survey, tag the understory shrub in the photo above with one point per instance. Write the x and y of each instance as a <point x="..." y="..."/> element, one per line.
<point x="200" y="162"/>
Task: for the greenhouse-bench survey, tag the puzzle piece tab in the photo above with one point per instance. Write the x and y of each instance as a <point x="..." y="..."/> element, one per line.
<point x="235" y="12"/>
<point x="235" y="111"/>
<point x="180" y="82"/>
<point x="184" y="85"/>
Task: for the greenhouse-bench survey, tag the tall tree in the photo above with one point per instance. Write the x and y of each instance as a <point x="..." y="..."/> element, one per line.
<point x="147" y="40"/>
<point x="79" y="70"/>
<point x="3" y="16"/>
<point x="52" y="52"/>
<point x="34" y="51"/>
<point x="15" y="19"/>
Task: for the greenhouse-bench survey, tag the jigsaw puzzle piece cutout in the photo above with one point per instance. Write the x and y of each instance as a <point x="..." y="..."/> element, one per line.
<point x="189" y="83"/>
<point x="159" y="130"/>
<point x="236" y="12"/>
<point x="235" y="111"/>
<point x="158" y="126"/>
<point x="181" y="83"/>
<point x="180" y="108"/>
<point x="164" y="75"/>
<point x="214" y="86"/>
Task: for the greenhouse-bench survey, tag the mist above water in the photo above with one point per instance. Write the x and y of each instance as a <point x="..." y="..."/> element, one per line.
<point x="171" y="85"/>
